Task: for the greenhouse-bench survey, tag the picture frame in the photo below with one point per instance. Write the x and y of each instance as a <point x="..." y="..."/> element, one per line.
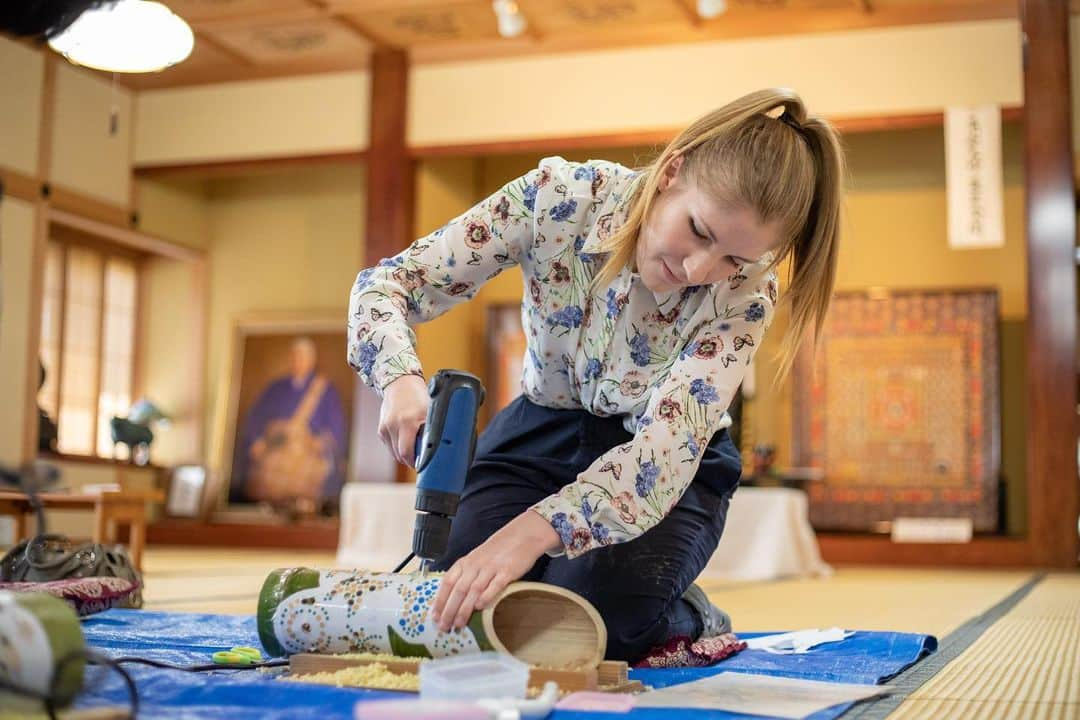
<point x="505" y="355"/>
<point x="187" y="491"/>
<point x="256" y="403"/>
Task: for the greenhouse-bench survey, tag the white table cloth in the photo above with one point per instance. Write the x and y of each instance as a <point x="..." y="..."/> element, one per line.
<point x="768" y="533"/>
<point x="767" y="536"/>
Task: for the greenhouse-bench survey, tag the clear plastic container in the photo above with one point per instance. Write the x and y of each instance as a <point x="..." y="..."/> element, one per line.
<point x="472" y="677"/>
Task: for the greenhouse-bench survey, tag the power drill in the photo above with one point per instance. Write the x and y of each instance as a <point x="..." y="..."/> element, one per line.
<point x="444" y="451"/>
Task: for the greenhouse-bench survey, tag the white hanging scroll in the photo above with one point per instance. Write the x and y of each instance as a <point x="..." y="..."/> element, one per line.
<point x="973" y="176"/>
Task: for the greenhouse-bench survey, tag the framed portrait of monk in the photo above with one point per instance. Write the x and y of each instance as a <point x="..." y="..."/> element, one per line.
<point x="288" y="428"/>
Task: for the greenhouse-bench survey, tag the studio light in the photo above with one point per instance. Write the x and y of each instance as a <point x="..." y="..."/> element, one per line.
<point x="129" y="36"/>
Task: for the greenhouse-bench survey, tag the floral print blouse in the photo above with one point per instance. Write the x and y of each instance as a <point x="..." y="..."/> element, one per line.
<point x="669" y="363"/>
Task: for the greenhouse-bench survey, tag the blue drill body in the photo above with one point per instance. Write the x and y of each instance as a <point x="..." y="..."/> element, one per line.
<point x="444" y="451"/>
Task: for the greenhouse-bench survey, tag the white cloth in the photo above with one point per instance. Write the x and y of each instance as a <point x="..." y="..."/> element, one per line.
<point x="767" y="535"/>
<point x="798" y="642"/>
<point x="376" y="525"/>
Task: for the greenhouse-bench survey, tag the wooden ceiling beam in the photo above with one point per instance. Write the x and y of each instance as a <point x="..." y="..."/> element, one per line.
<point x="374" y="6"/>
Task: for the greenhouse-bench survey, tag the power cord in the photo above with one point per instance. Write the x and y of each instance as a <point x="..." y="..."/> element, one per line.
<point x="49" y="700"/>
<point x="199" y="668"/>
<point x="404" y="563"/>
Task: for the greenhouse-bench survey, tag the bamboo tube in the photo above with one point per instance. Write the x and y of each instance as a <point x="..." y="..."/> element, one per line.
<point x="340" y="611"/>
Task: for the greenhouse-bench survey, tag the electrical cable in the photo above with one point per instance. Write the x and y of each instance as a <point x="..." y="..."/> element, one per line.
<point x="198" y="668"/>
<point x="404" y="563"/>
<point x="48" y="700"/>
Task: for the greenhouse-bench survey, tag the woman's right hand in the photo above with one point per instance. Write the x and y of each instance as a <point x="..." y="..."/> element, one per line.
<point x="404" y="409"/>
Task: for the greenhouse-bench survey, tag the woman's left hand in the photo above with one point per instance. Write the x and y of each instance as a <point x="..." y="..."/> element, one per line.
<point x="475" y="580"/>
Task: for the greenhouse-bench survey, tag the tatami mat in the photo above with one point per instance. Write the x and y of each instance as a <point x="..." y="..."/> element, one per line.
<point x="1026" y="665"/>
<point x="215" y="580"/>
<point x="904" y="600"/>
<point x="934" y="602"/>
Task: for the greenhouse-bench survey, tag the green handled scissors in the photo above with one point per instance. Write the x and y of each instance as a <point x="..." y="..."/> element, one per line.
<point x="241" y="655"/>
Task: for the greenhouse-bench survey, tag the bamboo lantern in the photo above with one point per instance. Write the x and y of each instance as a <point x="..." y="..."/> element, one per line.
<point x="302" y="610"/>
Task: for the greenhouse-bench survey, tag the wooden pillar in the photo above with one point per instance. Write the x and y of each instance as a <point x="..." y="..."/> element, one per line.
<point x="390" y="184"/>
<point x="389" y="168"/>
<point x="1053" y="490"/>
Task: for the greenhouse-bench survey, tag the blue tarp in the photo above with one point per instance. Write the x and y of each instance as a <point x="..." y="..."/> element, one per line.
<point x="187" y="638"/>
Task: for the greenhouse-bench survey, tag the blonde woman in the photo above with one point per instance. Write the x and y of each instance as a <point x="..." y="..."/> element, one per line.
<point x="646" y="296"/>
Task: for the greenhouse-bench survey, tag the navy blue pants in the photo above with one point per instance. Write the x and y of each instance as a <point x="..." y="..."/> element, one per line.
<point x="529" y="452"/>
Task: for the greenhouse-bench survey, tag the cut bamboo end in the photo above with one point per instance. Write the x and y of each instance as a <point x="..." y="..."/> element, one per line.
<point x="546" y="625"/>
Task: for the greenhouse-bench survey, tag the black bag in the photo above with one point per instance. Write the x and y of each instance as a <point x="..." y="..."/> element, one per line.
<point x="45" y="558"/>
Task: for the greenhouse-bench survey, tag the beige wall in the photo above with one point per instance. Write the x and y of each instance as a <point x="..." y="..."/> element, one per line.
<point x="175" y="210"/>
<point x="172" y="353"/>
<point x="172" y="331"/>
<point x="871" y="72"/>
<point x="306" y="115"/>
<point x="86" y="155"/>
<point x="16" y="252"/>
<point x="21" y="79"/>
<point x="22" y="72"/>
<point x="283" y="241"/>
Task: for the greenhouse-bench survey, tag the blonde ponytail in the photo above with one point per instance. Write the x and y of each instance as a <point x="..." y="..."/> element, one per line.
<point x="762" y="151"/>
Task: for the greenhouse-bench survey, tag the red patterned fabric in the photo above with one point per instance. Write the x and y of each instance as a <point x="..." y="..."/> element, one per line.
<point x="899" y="409"/>
<point x="85" y="595"/>
<point x="682" y="652"/>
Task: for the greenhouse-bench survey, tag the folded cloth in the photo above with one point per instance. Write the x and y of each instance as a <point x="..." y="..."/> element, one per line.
<point x="684" y="652"/>
<point x="86" y="595"/>
<point x="798" y="642"/>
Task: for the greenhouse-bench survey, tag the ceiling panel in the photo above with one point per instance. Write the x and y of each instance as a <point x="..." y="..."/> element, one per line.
<point x="251" y="39"/>
<point x="585" y="16"/>
<point x="289" y="41"/>
<point x="449" y="22"/>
